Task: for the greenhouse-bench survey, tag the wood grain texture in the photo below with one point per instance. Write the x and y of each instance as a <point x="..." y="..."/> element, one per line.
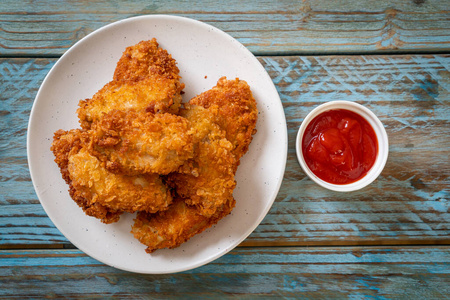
<point x="323" y="273"/>
<point x="410" y="95"/>
<point x="407" y="204"/>
<point x="332" y="243"/>
<point x="30" y="28"/>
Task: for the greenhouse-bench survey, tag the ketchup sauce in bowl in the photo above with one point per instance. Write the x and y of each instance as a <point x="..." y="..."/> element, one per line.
<point x="342" y="146"/>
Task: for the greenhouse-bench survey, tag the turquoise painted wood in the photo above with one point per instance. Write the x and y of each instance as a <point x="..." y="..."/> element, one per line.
<point x="324" y="273"/>
<point x="407" y="204"/>
<point x="390" y="240"/>
<point x="29" y="28"/>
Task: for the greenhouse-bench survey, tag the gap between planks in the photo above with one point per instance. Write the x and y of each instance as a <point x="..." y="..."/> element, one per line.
<point x="286" y="53"/>
<point x="256" y="244"/>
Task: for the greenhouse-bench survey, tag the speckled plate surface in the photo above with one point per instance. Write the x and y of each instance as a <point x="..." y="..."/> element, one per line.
<point x="204" y="54"/>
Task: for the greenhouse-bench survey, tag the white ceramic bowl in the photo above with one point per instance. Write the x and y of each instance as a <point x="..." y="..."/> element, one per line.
<point x="383" y="145"/>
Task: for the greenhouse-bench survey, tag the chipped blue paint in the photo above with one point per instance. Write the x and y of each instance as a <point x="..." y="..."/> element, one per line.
<point x="409" y="206"/>
<point x="408" y="202"/>
<point x="340" y="79"/>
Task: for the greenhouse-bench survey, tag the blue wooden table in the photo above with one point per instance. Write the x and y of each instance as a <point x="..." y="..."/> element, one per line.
<point x="388" y="240"/>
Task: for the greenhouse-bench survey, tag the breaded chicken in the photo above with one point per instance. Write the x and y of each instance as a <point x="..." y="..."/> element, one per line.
<point x="222" y="121"/>
<point x="171" y="228"/>
<point x="145" y="58"/>
<point x="119" y="192"/>
<point x="146" y="78"/>
<point x="97" y="191"/>
<point x="207" y="180"/>
<point x="133" y="142"/>
<point x="139" y="147"/>
<point x="152" y="94"/>
<point x="237" y="111"/>
<point x="64" y="144"/>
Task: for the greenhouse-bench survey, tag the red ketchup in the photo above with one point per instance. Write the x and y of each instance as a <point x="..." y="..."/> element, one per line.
<point x="339" y="146"/>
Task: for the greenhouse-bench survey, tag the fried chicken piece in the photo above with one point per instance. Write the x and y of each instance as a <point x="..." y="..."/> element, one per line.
<point x="146" y="78"/>
<point x="171" y="228"/>
<point x="207" y="180"/>
<point x="204" y="185"/>
<point x="223" y="121"/>
<point x="64" y="144"/>
<point x="237" y="114"/>
<point x="116" y="191"/>
<point x="97" y="191"/>
<point x="145" y="58"/>
<point x="153" y="94"/>
<point x="133" y="142"/>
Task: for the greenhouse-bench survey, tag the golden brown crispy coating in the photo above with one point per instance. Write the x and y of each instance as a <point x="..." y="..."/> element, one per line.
<point x="139" y="142"/>
<point x="207" y="180"/>
<point x="153" y="94"/>
<point x="204" y="184"/>
<point x="171" y="228"/>
<point x="237" y="114"/>
<point x="119" y="192"/>
<point x="145" y="58"/>
<point x="134" y="130"/>
<point x="100" y="193"/>
<point x="146" y="78"/>
<point x="223" y="120"/>
<point x="65" y="143"/>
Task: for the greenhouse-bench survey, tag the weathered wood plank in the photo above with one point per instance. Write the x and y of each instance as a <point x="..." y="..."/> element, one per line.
<point x="409" y="203"/>
<point x="410" y="94"/>
<point x="265" y="27"/>
<point x="324" y="273"/>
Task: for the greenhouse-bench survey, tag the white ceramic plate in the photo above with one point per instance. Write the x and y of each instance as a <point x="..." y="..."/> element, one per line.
<point x="200" y="50"/>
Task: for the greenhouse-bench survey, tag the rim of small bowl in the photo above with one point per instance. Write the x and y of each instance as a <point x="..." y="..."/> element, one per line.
<point x="383" y="144"/>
